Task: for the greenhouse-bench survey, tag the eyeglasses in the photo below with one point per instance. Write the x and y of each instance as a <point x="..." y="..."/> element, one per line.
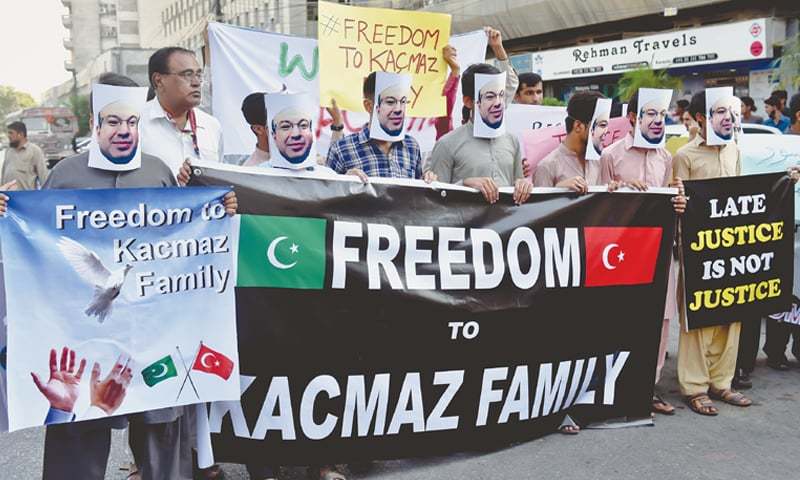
<point x="492" y="97"/>
<point x="302" y="125"/>
<point x="188" y="75"/>
<point x="392" y="102"/>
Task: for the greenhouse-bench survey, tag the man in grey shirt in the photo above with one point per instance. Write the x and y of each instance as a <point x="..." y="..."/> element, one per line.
<point x="481" y="163"/>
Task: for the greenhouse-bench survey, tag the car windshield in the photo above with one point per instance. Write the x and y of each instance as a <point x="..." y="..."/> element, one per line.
<point x="36" y="124"/>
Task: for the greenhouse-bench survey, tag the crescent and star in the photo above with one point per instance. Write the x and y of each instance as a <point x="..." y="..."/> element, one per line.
<point x="163" y="370"/>
<point x="273" y="260"/>
<point x="203" y="359"/>
<point x="607" y="251"/>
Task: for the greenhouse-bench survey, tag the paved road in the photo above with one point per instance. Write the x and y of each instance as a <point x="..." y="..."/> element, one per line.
<point x="759" y="442"/>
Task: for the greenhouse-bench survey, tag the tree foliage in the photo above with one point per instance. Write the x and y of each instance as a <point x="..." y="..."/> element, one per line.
<point x="632" y="81"/>
<point x="788" y="64"/>
<point x="80" y="107"/>
<point x="12" y="100"/>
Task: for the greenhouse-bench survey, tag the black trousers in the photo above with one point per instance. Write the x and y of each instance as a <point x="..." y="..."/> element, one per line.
<point x="749" y="339"/>
<point x="778" y="334"/>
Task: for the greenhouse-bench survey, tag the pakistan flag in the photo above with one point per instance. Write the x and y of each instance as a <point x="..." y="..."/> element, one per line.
<point x="159" y="371"/>
<point x="281" y="252"/>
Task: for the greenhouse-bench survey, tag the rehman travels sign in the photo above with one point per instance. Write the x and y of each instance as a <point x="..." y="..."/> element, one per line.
<point x="731" y="42"/>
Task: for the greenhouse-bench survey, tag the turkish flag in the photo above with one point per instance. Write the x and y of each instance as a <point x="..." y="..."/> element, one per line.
<point x="621" y="255"/>
<point x="211" y="361"/>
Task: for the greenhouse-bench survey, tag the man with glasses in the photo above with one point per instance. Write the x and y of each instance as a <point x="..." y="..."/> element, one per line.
<point x="174" y="128"/>
<point x="358" y="154"/>
<point x="652" y="120"/>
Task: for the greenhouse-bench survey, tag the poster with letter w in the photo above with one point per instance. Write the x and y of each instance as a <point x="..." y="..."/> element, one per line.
<point x="119" y="301"/>
<point x="738" y="248"/>
<point x="394" y="319"/>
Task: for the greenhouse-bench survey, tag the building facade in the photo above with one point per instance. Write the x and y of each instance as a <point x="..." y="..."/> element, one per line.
<point x="578" y="45"/>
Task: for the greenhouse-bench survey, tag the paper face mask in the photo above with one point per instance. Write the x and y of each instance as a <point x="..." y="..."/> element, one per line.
<point x="291" y="130"/>
<point x="598" y="128"/>
<point x="116" y="144"/>
<point x="651" y="118"/>
<point x="490" y="105"/>
<point x="723" y="116"/>
<point x="392" y="94"/>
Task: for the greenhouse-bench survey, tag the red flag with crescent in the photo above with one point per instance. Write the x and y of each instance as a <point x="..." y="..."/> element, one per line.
<point x="621" y="255"/>
<point x="211" y="361"/>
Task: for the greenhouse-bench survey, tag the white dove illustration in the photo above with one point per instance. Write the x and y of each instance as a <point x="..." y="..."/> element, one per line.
<point x="87" y="264"/>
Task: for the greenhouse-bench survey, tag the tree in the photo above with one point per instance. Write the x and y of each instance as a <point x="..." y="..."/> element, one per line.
<point x="788" y="64"/>
<point x="80" y="107"/>
<point x="12" y="100"/>
<point x="632" y="81"/>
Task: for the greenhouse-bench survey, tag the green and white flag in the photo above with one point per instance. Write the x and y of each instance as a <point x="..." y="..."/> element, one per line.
<point x="159" y="371"/>
<point x="281" y="252"/>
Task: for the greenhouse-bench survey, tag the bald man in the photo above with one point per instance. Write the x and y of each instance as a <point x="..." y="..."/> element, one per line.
<point x="391" y="109"/>
<point x="293" y="134"/>
<point x="722" y="117"/>
<point x="492" y="102"/>
<point x="118" y="132"/>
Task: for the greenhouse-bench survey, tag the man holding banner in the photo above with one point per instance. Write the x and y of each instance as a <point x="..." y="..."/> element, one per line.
<point x="567" y="166"/>
<point x="706" y="356"/>
<point x="641" y="168"/>
<point x="359" y="152"/>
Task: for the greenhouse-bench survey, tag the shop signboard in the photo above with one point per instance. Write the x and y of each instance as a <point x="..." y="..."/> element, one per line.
<point x="730" y="42"/>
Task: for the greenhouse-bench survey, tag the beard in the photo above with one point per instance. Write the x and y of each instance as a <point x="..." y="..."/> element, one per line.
<point x="723" y="136"/>
<point x="14" y="144"/>
<point x="298" y="159"/>
<point x="392" y="132"/>
<point x="121" y="160"/>
<point x="493" y="125"/>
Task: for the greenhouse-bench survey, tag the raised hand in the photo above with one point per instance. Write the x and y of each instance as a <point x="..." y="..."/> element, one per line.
<point x="63" y="386"/>
<point x="108" y="394"/>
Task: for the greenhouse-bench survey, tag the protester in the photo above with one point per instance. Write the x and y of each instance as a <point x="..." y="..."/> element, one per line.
<point x="775" y="117"/>
<point x="159" y="439"/>
<point x="690" y="124"/>
<point x="707" y="356"/>
<point x="24" y="161"/>
<point x="530" y="90"/>
<point x="642" y="168"/>
<point x="481" y="163"/>
<point x="794" y="115"/>
<point x="254" y="112"/>
<point x="566" y="166"/>
<point x="175" y="128"/>
<point x="445" y="123"/>
<point x="681" y="106"/>
<point x="495" y="40"/>
<point x="783" y="97"/>
<point x="360" y="155"/>
<point x="748" y="109"/>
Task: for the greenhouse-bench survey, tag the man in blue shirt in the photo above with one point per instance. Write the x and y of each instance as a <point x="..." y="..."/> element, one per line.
<point x="376" y="158"/>
<point x="775" y="117"/>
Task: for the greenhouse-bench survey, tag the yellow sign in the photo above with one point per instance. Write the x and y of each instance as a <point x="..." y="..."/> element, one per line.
<point x="354" y="41"/>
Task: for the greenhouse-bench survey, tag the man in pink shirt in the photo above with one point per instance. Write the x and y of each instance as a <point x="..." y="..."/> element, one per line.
<point x="641" y="168"/>
<point x="566" y="166"/>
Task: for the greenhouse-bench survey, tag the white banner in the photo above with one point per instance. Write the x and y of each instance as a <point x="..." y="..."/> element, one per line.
<point x="120" y="301"/>
<point x="729" y="42"/>
<point x="244" y="61"/>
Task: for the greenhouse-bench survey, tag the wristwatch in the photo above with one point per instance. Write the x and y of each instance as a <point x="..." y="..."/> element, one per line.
<point x="337" y="128"/>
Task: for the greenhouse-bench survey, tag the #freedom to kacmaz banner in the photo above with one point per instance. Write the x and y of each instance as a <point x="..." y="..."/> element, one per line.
<point x="119" y="301"/>
<point x="738" y="247"/>
<point x="382" y="320"/>
<point x="354" y="41"/>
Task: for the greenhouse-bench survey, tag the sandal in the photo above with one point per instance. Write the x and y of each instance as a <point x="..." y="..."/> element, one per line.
<point x="731" y="397"/>
<point x="332" y="475"/>
<point x="133" y="472"/>
<point x="569" y="429"/>
<point x="661" y="406"/>
<point x="703" y="405"/>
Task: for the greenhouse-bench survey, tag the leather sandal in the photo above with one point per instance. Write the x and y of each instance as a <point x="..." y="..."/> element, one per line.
<point x="700" y="403"/>
<point x="731" y="397"/>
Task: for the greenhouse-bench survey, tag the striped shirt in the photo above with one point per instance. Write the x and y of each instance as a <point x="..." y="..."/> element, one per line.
<point x="357" y="151"/>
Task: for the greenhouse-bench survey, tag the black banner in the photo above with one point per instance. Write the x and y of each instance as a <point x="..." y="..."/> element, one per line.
<point x="737" y="240"/>
<point x="385" y="321"/>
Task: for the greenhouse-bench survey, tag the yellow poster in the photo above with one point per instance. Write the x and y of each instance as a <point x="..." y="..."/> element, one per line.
<point x="354" y="41"/>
